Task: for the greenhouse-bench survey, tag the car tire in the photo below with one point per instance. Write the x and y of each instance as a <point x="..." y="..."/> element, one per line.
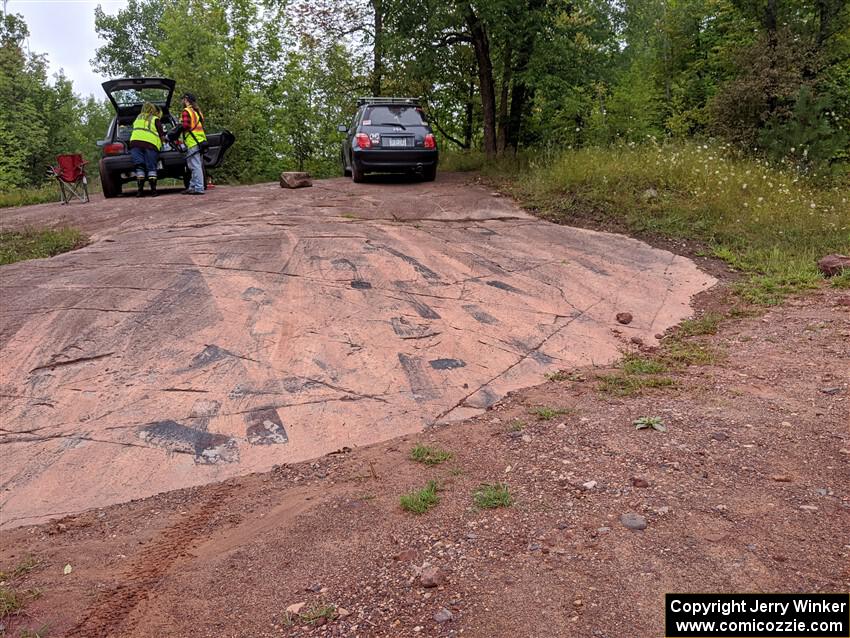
<point x="109" y="182"/>
<point x="357" y="173"/>
<point x="429" y="173"/>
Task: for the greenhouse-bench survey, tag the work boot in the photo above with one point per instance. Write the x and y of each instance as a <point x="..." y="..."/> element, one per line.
<point x="152" y="181"/>
<point x="141" y="185"/>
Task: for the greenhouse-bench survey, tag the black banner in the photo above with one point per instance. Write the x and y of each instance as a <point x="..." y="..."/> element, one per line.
<point x="757" y="615"/>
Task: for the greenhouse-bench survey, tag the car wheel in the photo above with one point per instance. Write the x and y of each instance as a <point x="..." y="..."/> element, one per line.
<point x="429" y="173"/>
<point x="109" y="182"/>
<point x="357" y="173"/>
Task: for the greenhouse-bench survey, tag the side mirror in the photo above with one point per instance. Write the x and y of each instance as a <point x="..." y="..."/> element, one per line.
<point x="342" y="128"/>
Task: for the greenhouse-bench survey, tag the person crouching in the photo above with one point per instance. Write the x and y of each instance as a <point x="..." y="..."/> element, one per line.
<point x="145" y="145"/>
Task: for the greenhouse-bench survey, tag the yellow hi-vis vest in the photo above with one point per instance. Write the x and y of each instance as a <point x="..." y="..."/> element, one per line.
<point x="144" y="130"/>
<point x="195" y="135"/>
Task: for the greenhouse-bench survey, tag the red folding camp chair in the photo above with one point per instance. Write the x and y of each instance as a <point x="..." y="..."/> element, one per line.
<point x="71" y="174"/>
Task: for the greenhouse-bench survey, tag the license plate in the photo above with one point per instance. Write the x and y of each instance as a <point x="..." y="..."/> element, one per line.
<point x="397" y="141"/>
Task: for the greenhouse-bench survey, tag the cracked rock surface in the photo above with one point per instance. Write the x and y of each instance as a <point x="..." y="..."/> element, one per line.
<point x="194" y="341"/>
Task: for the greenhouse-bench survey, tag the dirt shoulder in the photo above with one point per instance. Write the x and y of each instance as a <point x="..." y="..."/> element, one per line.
<point x="748" y="490"/>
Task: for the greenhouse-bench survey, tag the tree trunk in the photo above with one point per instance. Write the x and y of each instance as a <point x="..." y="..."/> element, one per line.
<point x="378" y="62"/>
<point x="521" y="93"/>
<point x="503" y="99"/>
<point x="470" y="110"/>
<point x="481" y="45"/>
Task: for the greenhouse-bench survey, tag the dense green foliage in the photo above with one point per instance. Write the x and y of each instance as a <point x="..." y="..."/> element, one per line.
<point x="39" y="119"/>
<point x="763" y="220"/>
<point x="771" y="77"/>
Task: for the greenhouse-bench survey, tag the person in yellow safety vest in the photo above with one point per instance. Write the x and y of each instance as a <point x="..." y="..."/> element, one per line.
<point x="145" y="145"/>
<point x="191" y="131"/>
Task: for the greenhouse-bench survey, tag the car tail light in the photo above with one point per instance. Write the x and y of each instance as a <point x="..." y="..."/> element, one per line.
<point x="430" y="142"/>
<point x="116" y="148"/>
<point x="362" y="140"/>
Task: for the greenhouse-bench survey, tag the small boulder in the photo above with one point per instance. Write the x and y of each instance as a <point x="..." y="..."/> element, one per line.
<point x="633" y="521"/>
<point x="295" y="609"/>
<point x="833" y="265"/>
<point x="444" y="615"/>
<point x="295" y="180"/>
<point x="624" y="318"/>
<point x="432" y="576"/>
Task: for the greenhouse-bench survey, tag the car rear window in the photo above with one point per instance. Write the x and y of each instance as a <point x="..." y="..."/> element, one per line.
<point x="406" y="115"/>
<point x="131" y="97"/>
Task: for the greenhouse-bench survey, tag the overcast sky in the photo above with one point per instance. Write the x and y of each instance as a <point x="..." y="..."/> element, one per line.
<point x="64" y="30"/>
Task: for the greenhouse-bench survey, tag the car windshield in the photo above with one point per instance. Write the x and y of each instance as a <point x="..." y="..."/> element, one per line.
<point x="404" y="115"/>
<point x="129" y="97"/>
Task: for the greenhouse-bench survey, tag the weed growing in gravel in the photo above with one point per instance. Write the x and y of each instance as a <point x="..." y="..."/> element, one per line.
<point x="348" y="216"/>
<point x="649" y="422"/>
<point x="429" y="455"/>
<point x="420" y="501"/>
<point x="516" y="426"/>
<point x="635" y="364"/>
<point x="631" y="384"/>
<point x="26" y="565"/>
<point x="318" y="611"/>
<point x="705" y="325"/>
<point x="490" y="496"/>
<point x="842" y="280"/>
<point x="12" y="599"/>
<point x="559" y="375"/>
<point x="686" y="353"/>
<point x="41" y="632"/>
<point x="547" y="414"/>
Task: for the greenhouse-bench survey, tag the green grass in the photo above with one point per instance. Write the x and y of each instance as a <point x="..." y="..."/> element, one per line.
<point x="767" y="222"/>
<point x="704" y="325"/>
<point x="544" y="413"/>
<point x="490" y="496"/>
<point x="842" y="280"/>
<point x="26" y="196"/>
<point x="429" y="455"/>
<point x="635" y="364"/>
<point x="420" y="501"/>
<point x="560" y="375"/>
<point x="631" y="384"/>
<point x="679" y="352"/>
<point x="37" y="244"/>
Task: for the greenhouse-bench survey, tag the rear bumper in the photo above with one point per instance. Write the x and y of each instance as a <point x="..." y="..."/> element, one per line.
<point x="386" y="160"/>
<point x="173" y="165"/>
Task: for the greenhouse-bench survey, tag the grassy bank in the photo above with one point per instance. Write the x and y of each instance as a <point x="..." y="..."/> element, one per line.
<point x="37" y="244"/>
<point x="26" y="196"/>
<point x="769" y="223"/>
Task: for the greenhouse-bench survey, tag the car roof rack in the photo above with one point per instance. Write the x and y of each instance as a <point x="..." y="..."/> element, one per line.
<point x="414" y="101"/>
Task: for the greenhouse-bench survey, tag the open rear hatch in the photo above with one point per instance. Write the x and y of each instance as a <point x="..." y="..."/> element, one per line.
<point x="128" y="94"/>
